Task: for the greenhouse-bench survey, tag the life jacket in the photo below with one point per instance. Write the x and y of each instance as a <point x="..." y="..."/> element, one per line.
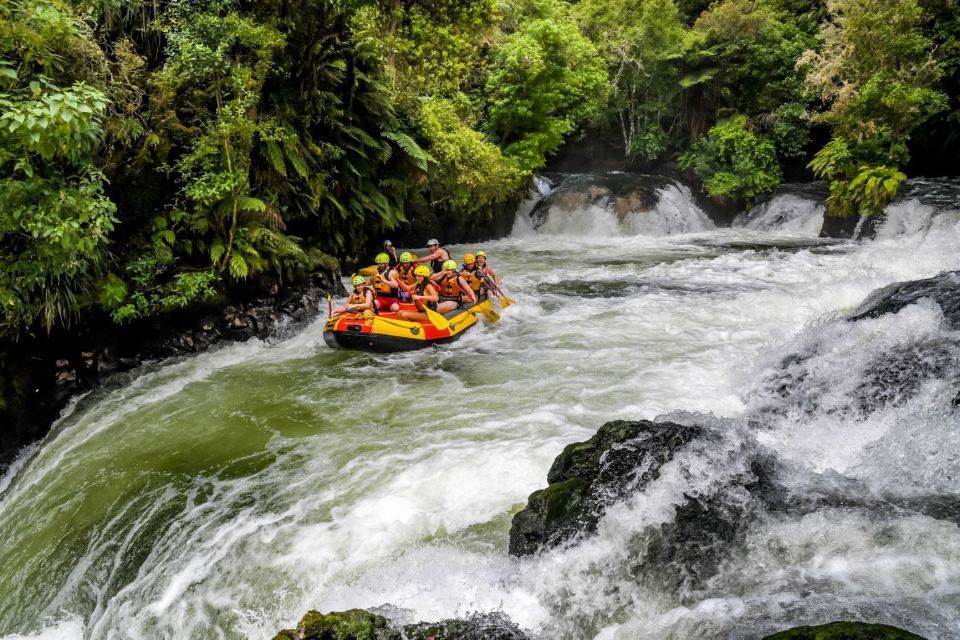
<point x="473" y="278"/>
<point x="419" y="289"/>
<point x="381" y="288"/>
<point x="360" y="297"/>
<point x="407" y="276"/>
<point x="437" y="265"/>
<point x="448" y="287"/>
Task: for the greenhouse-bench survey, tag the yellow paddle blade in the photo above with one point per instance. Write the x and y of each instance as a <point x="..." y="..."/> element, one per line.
<point x="437" y="320"/>
<point x="488" y="313"/>
<point x="505" y="301"/>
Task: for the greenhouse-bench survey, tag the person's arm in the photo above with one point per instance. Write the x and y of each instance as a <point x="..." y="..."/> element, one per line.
<point x="493" y="275"/>
<point x="367" y="304"/>
<point x="433" y="256"/>
<point x="392" y="250"/>
<point x="429" y="294"/>
<point x="435" y="277"/>
<point x="467" y="291"/>
<point x="391" y="278"/>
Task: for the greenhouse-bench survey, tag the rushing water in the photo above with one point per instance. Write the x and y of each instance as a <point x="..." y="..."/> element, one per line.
<point x="226" y="494"/>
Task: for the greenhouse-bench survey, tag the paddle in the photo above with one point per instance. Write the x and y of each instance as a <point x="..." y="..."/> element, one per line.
<point x="488" y="313"/>
<point x="491" y="284"/>
<point x="437" y="320"/>
<point x="329" y="305"/>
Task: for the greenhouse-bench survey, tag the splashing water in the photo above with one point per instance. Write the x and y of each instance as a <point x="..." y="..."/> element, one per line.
<point x="226" y="494"/>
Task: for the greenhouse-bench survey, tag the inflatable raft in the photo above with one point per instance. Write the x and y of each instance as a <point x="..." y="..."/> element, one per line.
<point x="385" y="332"/>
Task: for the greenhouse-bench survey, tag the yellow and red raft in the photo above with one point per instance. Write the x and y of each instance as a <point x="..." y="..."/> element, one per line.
<point x="385" y="332"/>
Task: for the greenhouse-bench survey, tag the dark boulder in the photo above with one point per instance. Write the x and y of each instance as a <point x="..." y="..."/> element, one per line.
<point x="358" y="624"/>
<point x="943" y="290"/>
<point x="485" y="626"/>
<point x="620" y="459"/>
<point x="845" y="631"/>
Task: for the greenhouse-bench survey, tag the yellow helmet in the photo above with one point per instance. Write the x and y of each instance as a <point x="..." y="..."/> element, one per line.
<point x="469" y="258"/>
<point x="422" y="270"/>
<point x="358" y="280"/>
<point x="382" y="258"/>
<point x="449" y="264"/>
<point x="481" y="254"/>
<point x="406" y="256"/>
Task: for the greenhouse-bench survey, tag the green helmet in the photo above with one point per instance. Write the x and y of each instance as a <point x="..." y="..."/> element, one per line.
<point x="450" y="264"/>
<point x="382" y="258"/>
<point x="406" y="256"/>
<point x="358" y="280"/>
<point x="481" y="254"/>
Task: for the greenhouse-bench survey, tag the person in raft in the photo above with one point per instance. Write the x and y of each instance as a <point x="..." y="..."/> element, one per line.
<point x="423" y="293"/>
<point x="384" y="284"/>
<point x="392" y="250"/>
<point x="481" y="257"/>
<point x="405" y="274"/>
<point x="437" y="255"/>
<point x="360" y="301"/>
<point x="473" y="276"/>
<point x="452" y="288"/>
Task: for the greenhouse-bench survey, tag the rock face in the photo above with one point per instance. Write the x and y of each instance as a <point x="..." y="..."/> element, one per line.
<point x="39" y="374"/>
<point x="621" y="458"/>
<point x="490" y="626"/>
<point x="943" y="290"/>
<point x="845" y="631"/>
<point x="358" y="624"/>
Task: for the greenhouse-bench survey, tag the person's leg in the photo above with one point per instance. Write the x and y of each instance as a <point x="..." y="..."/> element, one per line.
<point x="446" y="305"/>
<point x="412" y="316"/>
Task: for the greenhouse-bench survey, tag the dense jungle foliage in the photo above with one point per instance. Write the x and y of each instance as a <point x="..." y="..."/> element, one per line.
<point x="156" y="154"/>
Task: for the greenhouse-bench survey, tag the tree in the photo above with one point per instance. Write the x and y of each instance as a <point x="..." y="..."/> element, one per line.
<point x="642" y="42"/>
<point x="876" y="72"/>
<point x="545" y="79"/>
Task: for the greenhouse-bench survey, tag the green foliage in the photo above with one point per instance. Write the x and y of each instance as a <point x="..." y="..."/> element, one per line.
<point x="641" y="42"/>
<point x="876" y="71"/>
<point x="734" y="162"/>
<point x="469" y="173"/>
<point x="54" y="216"/>
<point x="545" y="79"/>
<point x="855" y="186"/>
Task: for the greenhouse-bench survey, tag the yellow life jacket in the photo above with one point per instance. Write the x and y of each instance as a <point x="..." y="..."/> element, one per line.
<point x="473" y="278"/>
<point x="381" y="288"/>
<point x="407" y="276"/>
<point x="357" y="297"/>
<point x="448" y="287"/>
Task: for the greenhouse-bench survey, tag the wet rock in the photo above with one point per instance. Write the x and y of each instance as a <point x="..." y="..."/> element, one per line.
<point x="620" y="459"/>
<point x="944" y="290"/>
<point x="845" y="631"/>
<point x="839" y="227"/>
<point x="622" y="193"/>
<point x="488" y="626"/>
<point x="355" y="624"/>
<point x="358" y="624"/>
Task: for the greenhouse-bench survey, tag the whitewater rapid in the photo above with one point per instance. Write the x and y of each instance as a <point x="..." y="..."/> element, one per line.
<point x="226" y="494"/>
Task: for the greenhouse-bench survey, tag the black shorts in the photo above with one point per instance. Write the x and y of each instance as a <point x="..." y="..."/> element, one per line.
<point x="459" y="301"/>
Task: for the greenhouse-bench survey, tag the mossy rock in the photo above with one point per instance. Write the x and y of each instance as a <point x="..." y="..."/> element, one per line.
<point x="845" y="631"/>
<point x="620" y="459"/>
<point x="355" y="624"/>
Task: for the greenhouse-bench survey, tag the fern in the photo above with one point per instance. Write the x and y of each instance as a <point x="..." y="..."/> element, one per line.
<point x="410" y="147"/>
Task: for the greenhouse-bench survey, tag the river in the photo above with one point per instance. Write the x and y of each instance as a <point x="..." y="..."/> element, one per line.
<point x="226" y="494"/>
